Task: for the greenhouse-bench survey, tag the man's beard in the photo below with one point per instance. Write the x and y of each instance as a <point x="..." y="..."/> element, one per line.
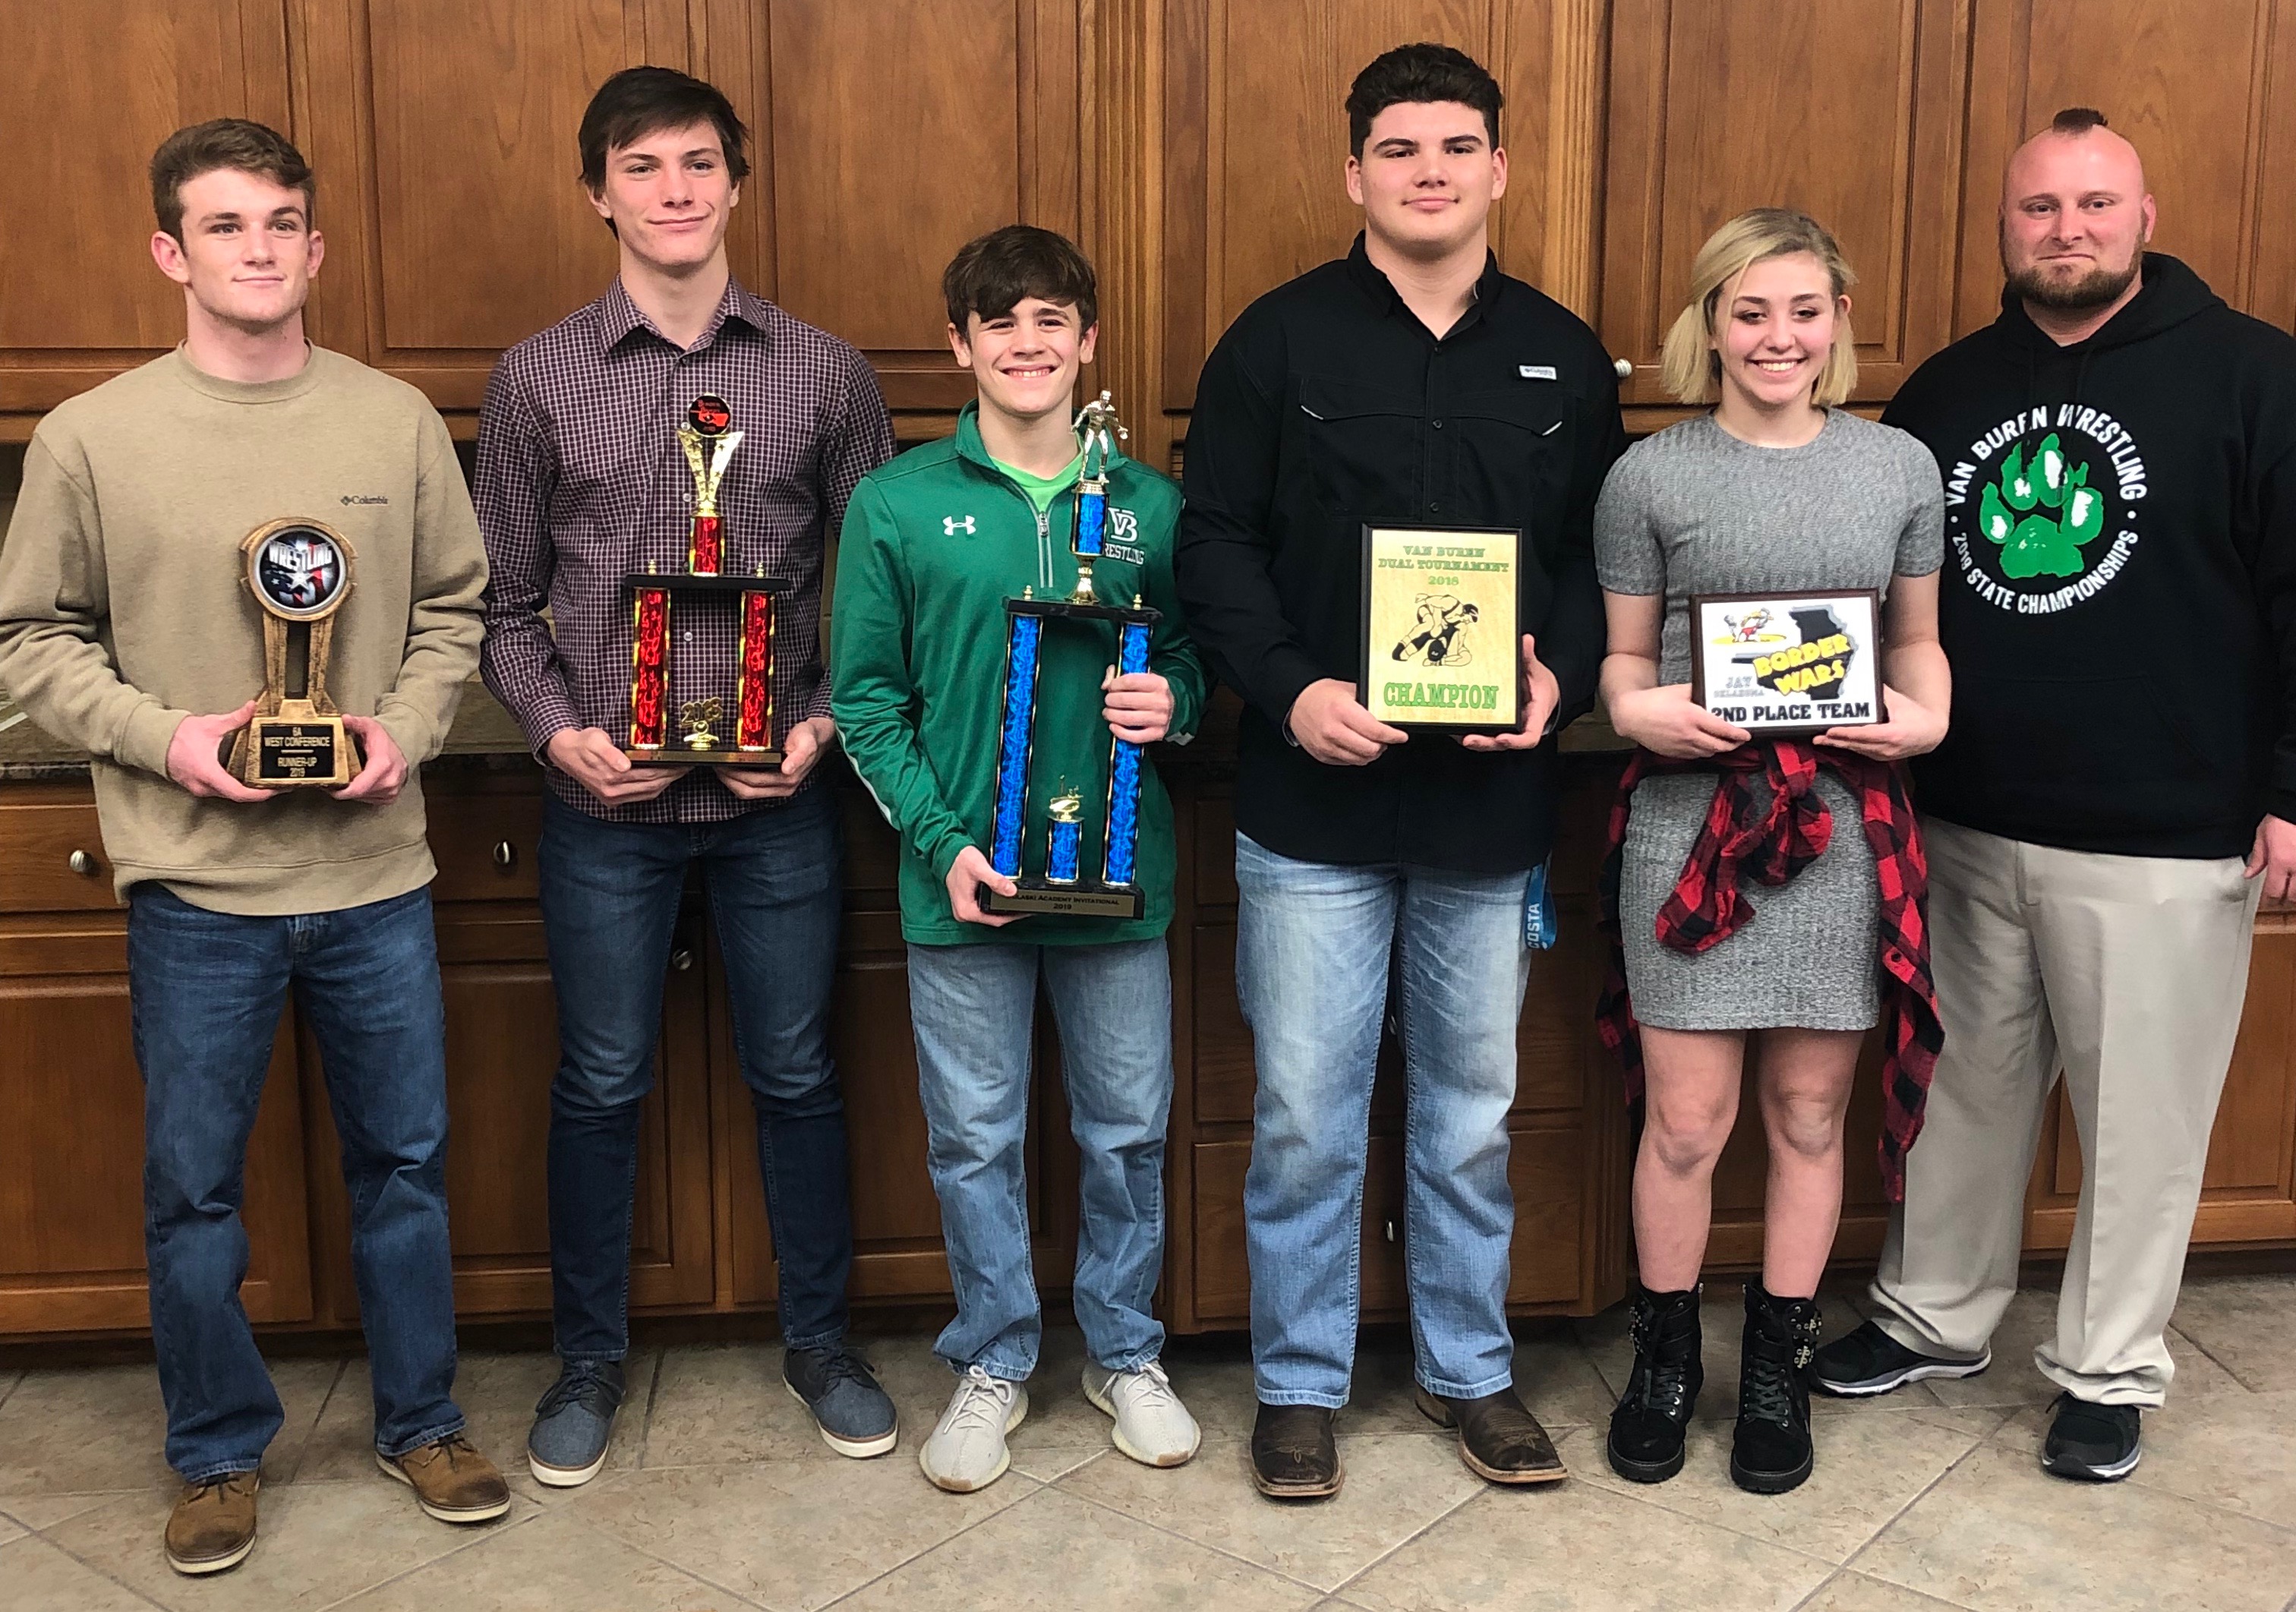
<point x="2097" y="289"/>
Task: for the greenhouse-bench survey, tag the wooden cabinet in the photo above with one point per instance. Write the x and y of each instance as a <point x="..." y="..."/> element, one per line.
<point x="71" y="1139"/>
<point x="443" y="134"/>
<point x="2206" y="88"/>
<point x="1849" y="112"/>
<point x="87" y="95"/>
<point x="71" y="1103"/>
<point x="2248" y="1195"/>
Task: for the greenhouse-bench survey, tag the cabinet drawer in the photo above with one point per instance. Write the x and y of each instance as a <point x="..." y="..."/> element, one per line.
<point x="485" y="846"/>
<point x="42" y="849"/>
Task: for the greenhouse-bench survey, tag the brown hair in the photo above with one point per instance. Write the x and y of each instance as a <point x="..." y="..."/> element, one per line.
<point x="2076" y="120"/>
<point x="642" y="101"/>
<point x="993" y="274"/>
<point x="226" y="143"/>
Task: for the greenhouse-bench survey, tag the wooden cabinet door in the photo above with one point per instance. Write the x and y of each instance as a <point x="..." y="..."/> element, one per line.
<point x="502" y="1050"/>
<point x="445" y="133"/>
<point x="71" y="1145"/>
<point x="2206" y="88"/>
<point x="1850" y="112"/>
<point x="874" y="163"/>
<point x="87" y="95"/>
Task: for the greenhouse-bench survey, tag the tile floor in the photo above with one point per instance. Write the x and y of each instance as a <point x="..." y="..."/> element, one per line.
<point x="719" y="1497"/>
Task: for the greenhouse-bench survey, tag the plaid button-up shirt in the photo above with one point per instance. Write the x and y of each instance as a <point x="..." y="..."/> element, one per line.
<point x="581" y="481"/>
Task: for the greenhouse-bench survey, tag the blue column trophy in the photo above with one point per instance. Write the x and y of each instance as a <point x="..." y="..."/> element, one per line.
<point x="1063" y="886"/>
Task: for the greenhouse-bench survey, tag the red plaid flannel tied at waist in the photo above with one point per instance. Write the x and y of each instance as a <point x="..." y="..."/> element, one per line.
<point x="1767" y="821"/>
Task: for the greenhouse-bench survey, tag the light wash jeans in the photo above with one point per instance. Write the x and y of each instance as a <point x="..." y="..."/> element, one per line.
<point x="972" y="1007"/>
<point x="1314" y="944"/>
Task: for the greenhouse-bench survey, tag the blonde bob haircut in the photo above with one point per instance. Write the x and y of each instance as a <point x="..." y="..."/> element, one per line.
<point x="1688" y="364"/>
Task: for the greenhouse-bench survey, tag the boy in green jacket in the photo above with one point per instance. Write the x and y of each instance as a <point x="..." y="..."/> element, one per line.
<point x="934" y="543"/>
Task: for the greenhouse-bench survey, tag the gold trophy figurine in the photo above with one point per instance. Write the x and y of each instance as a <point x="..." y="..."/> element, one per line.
<point x="300" y="572"/>
<point x="695" y="720"/>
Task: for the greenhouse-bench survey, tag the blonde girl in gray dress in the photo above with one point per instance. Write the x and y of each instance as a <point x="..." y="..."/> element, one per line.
<point x="1777" y="488"/>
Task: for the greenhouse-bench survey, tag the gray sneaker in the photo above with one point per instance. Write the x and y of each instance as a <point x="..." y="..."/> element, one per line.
<point x="966" y="1451"/>
<point x="855" y="1415"/>
<point x="1152" y="1426"/>
<point x="574" y="1423"/>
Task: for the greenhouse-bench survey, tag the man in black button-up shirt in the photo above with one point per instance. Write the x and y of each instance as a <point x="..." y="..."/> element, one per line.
<point x="1411" y="382"/>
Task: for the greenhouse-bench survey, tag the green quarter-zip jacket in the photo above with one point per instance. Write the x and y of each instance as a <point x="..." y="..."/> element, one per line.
<point x="934" y="543"/>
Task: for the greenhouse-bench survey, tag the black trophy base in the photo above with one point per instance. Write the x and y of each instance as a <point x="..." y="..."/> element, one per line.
<point x="1087" y="898"/>
<point x="299" y="752"/>
<point x="674" y="755"/>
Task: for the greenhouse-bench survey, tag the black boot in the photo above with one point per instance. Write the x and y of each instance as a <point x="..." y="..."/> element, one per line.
<point x="1654" y="1415"/>
<point x="1770" y="1453"/>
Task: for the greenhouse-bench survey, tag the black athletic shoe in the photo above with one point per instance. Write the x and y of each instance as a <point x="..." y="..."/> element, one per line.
<point x="1869" y="1361"/>
<point x="2091" y="1443"/>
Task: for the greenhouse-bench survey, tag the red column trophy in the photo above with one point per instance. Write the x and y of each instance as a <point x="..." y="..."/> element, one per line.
<point x="708" y="448"/>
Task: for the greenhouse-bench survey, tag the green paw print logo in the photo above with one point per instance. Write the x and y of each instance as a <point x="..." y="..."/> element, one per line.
<point x="2039" y="515"/>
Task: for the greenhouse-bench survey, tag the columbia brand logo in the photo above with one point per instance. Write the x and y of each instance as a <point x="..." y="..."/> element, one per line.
<point x="365" y="497"/>
<point x="950" y="525"/>
<point x="1535" y="371"/>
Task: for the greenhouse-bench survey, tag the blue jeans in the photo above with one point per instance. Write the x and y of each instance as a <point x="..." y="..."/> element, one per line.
<point x="610" y="901"/>
<point x="1314" y="944"/>
<point x="972" y="1007"/>
<point x="205" y="989"/>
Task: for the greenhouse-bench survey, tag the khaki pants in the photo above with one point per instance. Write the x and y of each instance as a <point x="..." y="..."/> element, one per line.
<point x="2128" y="973"/>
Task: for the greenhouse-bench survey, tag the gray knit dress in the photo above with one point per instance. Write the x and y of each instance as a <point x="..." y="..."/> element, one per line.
<point x="1693" y="510"/>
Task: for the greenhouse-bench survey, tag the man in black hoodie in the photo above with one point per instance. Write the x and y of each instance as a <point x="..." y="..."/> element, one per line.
<point x="2118" y="450"/>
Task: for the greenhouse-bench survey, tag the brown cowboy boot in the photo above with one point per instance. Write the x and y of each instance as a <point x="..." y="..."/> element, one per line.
<point x="1498" y="1439"/>
<point x="1293" y="1455"/>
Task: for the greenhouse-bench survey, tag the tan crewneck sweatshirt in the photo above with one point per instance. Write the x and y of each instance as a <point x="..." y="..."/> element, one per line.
<point x="123" y="609"/>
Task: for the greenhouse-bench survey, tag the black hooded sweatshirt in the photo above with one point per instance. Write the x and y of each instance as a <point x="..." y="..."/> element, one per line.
<point x="2119" y="601"/>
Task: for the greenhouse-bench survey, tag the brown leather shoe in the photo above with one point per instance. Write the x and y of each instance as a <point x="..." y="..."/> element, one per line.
<point x="212" y="1527"/>
<point x="1498" y="1439"/>
<point x="1293" y="1455"/>
<point x="451" y="1480"/>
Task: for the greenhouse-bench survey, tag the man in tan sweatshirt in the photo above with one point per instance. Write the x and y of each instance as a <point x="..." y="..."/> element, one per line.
<point x="127" y="627"/>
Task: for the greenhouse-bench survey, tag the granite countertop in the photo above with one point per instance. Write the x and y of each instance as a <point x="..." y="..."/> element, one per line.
<point x="483" y="729"/>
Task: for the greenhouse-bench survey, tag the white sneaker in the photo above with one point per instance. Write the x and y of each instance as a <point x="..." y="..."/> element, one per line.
<point x="1152" y="1426"/>
<point x="966" y="1451"/>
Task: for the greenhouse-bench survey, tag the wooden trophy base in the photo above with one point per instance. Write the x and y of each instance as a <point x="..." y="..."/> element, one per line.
<point x="675" y="755"/>
<point x="1087" y="898"/>
<point x="298" y="746"/>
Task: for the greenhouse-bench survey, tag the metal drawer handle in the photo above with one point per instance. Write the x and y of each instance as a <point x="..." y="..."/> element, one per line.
<point x="80" y="862"/>
<point x="506" y="855"/>
<point x="681" y="960"/>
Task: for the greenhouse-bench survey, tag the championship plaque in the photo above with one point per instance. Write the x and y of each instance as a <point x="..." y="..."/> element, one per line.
<point x="703" y="735"/>
<point x="1779" y="664"/>
<point x="1055" y="847"/>
<point x="300" y="572"/>
<point x="1442" y="645"/>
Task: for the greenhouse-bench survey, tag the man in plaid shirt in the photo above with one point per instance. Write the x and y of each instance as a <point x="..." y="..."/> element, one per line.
<point x="581" y="480"/>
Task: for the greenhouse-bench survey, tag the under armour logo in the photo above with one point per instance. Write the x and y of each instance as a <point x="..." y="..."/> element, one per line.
<point x="950" y="525"/>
